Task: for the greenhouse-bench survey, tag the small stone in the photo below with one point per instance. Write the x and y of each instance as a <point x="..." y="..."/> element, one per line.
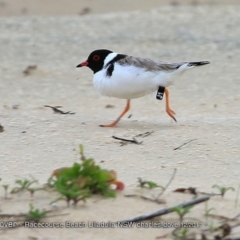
<point x="181" y="162"/>
<point x="15" y="106"/>
<point x="109" y="106"/>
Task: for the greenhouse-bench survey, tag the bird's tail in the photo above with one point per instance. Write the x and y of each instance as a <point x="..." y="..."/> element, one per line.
<point x="180" y="69"/>
<point x="196" y="64"/>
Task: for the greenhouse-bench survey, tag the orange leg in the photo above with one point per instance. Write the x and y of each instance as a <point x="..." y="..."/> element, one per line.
<point x="114" y="123"/>
<point x="169" y="111"/>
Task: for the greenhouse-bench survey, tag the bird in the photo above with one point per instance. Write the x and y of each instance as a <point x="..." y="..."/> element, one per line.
<point x="127" y="77"/>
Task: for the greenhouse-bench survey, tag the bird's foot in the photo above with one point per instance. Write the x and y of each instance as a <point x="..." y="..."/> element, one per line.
<point x="113" y="124"/>
<point x="171" y="113"/>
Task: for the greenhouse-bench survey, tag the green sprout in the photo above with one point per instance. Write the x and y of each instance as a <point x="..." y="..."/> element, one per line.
<point x="223" y="190"/>
<point x="182" y="211"/>
<point x="183" y="233"/>
<point x="24" y="185"/>
<point x="35" y="214"/>
<point x="5" y="186"/>
<point x="208" y="210"/>
<point x="81" y="151"/>
<point x="70" y="192"/>
<point x="211" y="226"/>
<point x="148" y="184"/>
<point x="237" y="196"/>
<point x="33" y="190"/>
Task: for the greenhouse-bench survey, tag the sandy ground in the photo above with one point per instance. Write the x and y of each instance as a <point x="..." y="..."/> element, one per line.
<point x="206" y="100"/>
<point x="80" y="7"/>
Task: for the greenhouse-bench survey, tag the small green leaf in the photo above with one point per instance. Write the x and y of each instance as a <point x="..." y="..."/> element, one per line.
<point x="35" y="214"/>
<point x="222" y="189"/>
<point x="110" y="194"/>
<point x="181" y="211"/>
<point x="152" y="184"/>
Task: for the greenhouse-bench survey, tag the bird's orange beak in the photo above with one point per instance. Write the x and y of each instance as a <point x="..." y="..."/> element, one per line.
<point x="83" y="64"/>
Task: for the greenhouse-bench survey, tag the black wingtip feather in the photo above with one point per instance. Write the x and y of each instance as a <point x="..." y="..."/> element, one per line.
<point x="191" y="64"/>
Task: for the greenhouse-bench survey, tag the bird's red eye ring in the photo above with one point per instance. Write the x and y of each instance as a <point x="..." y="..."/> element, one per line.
<point x="96" y="57"/>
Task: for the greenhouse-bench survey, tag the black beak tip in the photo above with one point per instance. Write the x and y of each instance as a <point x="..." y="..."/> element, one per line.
<point x="79" y="65"/>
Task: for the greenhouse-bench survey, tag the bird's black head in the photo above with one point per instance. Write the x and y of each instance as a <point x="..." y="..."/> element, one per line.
<point x="95" y="60"/>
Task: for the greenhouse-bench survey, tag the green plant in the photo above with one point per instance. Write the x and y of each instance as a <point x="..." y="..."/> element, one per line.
<point x="83" y="179"/>
<point x="33" y="190"/>
<point x="222" y="189"/>
<point x="182" y="211"/>
<point x="211" y="226"/>
<point x="237" y="196"/>
<point x="81" y="151"/>
<point x="70" y="191"/>
<point x="207" y="210"/>
<point x="148" y="184"/>
<point x="24" y="185"/>
<point x="35" y="214"/>
<point x="5" y="186"/>
<point x="183" y="233"/>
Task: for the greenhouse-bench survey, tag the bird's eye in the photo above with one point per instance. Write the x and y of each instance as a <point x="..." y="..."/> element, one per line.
<point x="96" y="57"/>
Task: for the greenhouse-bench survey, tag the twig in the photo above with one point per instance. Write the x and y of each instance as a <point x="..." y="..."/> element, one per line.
<point x="136" y="195"/>
<point x="57" y="110"/>
<point x="146" y="134"/>
<point x="210" y="230"/>
<point x="12" y="215"/>
<point x="109" y="106"/>
<point x="163" y="236"/>
<point x="57" y="215"/>
<point x="145" y="198"/>
<point x="223" y="218"/>
<point x="190" y="190"/>
<point x="29" y="69"/>
<point x="184" y="144"/>
<point x="209" y="194"/>
<point x="166" y="210"/>
<point x="235" y="238"/>
<point x="127" y="140"/>
<point x="24" y="215"/>
<point x="164" y="189"/>
<point x="1" y="128"/>
<point x="234" y="218"/>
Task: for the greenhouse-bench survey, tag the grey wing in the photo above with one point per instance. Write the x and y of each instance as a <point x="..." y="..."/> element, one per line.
<point x="150" y="65"/>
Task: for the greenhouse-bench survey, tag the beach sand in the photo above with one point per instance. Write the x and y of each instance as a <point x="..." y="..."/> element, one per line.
<point x="206" y="99"/>
<point x="80" y="7"/>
